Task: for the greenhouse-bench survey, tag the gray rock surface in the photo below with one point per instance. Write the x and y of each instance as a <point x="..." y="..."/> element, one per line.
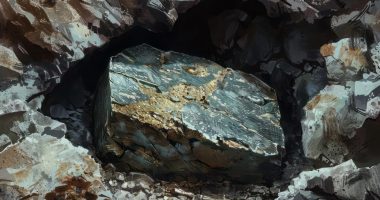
<point x="344" y="181"/>
<point x="40" y="39"/>
<point x="223" y="121"/>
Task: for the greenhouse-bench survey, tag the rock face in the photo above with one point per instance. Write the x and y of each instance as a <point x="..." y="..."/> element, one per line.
<point x="68" y="28"/>
<point x="344" y="181"/>
<point x="47" y="36"/>
<point x="165" y="113"/>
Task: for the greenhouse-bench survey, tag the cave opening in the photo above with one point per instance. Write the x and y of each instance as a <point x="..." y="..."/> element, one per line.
<point x="189" y="99"/>
<point x="201" y="31"/>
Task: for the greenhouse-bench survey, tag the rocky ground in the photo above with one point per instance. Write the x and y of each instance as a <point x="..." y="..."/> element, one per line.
<point x="226" y="99"/>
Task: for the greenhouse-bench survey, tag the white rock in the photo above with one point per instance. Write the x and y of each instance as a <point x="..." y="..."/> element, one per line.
<point x="113" y="183"/>
<point x="128" y="184"/>
<point x="120" y="176"/>
<point x="345" y="59"/>
<point x="335" y="114"/>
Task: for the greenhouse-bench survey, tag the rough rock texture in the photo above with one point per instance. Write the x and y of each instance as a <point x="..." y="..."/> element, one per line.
<point x="333" y="116"/>
<point x="68" y="28"/>
<point x="45" y="166"/>
<point x="311" y="10"/>
<point x="345" y="60"/>
<point x="38" y="162"/>
<point x="46" y="37"/>
<point x="141" y="186"/>
<point x="344" y="181"/>
<point x="326" y="115"/>
<point x="173" y="113"/>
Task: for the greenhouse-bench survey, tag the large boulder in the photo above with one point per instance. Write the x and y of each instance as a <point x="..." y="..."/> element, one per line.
<point x="169" y="113"/>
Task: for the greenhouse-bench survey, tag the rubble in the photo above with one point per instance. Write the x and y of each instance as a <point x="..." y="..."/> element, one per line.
<point x="344" y="181"/>
<point x="40" y="163"/>
<point x="140" y="185"/>
<point x="197" y="135"/>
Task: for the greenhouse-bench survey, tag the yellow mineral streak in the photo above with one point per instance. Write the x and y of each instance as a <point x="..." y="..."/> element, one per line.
<point x="160" y="108"/>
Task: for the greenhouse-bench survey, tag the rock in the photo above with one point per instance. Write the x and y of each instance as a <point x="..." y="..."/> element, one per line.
<point x="258" y="44"/>
<point x="367" y="95"/>
<point x="121" y="194"/>
<point x="375" y="56"/>
<point x="302" y="41"/>
<point x="288" y="68"/>
<point x="310" y="10"/>
<point x="80" y="25"/>
<point x="10" y="67"/>
<point x="184" y="5"/>
<point x="139" y="180"/>
<point x="59" y="112"/>
<point x="343" y="24"/>
<point x="345" y="59"/>
<point x="309" y="84"/>
<point x="368" y="18"/>
<point x="140" y="196"/>
<point x="40" y="40"/>
<point x="38" y="162"/>
<point x="43" y="165"/>
<point x="113" y="183"/>
<point x="231" y="123"/>
<point x="323" y="124"/>
<point x="4" y="142"/>
<point x="223" y="28"/>
<point x="364" y="146"/>
<point x="334" y="115"/>
<point x="344" y="181"/>
<point x="18" y="119"/>
<point x="120" y="176"/>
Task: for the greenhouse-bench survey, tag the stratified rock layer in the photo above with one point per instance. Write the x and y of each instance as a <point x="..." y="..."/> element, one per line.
<point x="166" y="112"/>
